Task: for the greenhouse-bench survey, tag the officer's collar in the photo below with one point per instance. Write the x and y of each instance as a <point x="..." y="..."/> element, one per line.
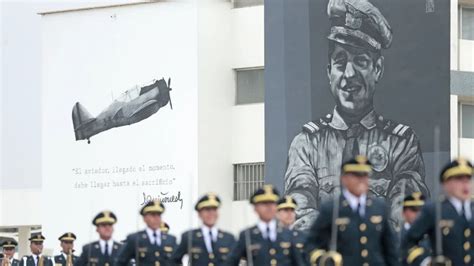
<point x="337" y="122"/>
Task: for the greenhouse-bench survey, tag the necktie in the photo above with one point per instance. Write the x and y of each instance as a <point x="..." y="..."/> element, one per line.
<point x="268" y="233"/>
<point x="359" y="209"/>
<point x="463" y="214"/>
<point x="351" y="148"/>
<point x="106" y="249"/>
<point x="37" y="259"/>
<point x="212" y="241"/>
<point x="155" y="237"/>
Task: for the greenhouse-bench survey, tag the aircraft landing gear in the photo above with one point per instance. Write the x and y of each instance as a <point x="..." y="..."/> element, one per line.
<point x="88" y="141"/>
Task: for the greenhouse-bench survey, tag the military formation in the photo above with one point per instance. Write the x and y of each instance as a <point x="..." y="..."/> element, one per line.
<point x="353" y="228"/>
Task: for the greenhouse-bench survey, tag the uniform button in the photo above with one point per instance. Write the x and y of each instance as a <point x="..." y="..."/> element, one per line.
<point x="364" y="253"/>
<point x="466" y="245"/>
<point x="211" y="255"/>
<point x="445" y="231"/>
<point x="467" y="259"/>
<point x="272" y="251"/>
<point x="157" y="254"/>
<point x="362" y="227"/>
<point x="210" y="264"/>
<point x="363" y="240"/>
<point x="157" y="263"/>
<point x="365" y="264"/>
<point x="467" y="232"/>
<point x="273" y="262"/>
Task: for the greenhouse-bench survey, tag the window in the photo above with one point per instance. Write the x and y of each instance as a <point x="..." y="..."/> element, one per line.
<point x="246" y="3"/>
<point x="466" y="118"/>
<point x="249" y="86"/>
<point x="247" y="178"/>
<point x="467" y="23"/>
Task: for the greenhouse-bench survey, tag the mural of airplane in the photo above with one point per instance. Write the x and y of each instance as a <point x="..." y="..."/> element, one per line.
<point x="131" y="107"/>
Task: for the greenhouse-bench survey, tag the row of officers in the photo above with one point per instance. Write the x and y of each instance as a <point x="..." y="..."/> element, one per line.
<point x="352" y="229"/>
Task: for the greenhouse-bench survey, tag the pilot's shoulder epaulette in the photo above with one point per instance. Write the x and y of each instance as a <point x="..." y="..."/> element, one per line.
<point x="395" y="128"/>
<point x="315" y="126"/>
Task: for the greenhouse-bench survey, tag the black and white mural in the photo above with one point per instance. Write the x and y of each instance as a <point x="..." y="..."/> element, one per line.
<point x="374" y="81"/>
<point x="126" y="90"/>
<point x="133" y="106"/>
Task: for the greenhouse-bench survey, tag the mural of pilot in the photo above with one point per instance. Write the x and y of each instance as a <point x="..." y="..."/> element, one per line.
<point x="358" y="33"/>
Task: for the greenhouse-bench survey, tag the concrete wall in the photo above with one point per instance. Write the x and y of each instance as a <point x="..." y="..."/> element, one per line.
<point x="228" y="134"/>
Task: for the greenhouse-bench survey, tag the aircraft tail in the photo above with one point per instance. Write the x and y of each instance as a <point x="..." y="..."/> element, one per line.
<point x="81" y="118"/>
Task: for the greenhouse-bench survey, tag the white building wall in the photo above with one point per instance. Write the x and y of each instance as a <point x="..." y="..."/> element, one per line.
<point x="466" y="63"/>
<point x="215" y="82"/>
<point x="227" y="133"/>
<point x="454" y="34"/>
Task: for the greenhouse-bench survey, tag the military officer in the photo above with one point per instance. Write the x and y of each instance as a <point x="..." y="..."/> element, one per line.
<point x="150" y="246"/>
<point x="364" y="235"/>
<point x="266" y="243"/>
<point x="457" y="221"/>
<point x="8" y="248"/>
<point x="104" y="251"/>
<point x="66" y="258"/>
<point x="286" y="216"/>
<point x="36" y="248"/>
<point x="207" y="245"/>
<point x="358" y="33"/>
<point x="412" y="205"/>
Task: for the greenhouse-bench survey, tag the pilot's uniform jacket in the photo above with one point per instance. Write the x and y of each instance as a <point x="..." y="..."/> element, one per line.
<point x="366" y="239"/>
<point x="30" y="261"/>
<point x="13" y="262"/>
<point x="199" y="253"/>
<point x="457" y="234"/>
<point x="138" y="246"/>
<point x="282" y="251"/>
<point x="316" y="154"/>
<point x="92" y="255"/>
<point x="61" y="260"/>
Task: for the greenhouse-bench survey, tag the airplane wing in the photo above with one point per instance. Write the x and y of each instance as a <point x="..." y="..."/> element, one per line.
<point x="118" y="114"/>
<point x="149" y="106"/>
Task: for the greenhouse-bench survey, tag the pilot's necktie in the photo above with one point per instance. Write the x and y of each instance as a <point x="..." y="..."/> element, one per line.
<point x="351" y="148"/>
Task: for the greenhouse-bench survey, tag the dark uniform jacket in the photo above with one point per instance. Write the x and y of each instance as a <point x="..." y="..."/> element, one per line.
<point x="61" y="260"/>
<point x="367" y="240"/>
<point x="282" y="251"/>
<point x="138" y="247"/>
<point x="14" y="262"/>
<point x="425" y="250"/>
<point x="199" y="254"/>
<point x="30" y="261"/>
<point x="92" y="255"/>
<point x="299" y="238"/>
<point x="457" y="233"/>
<point x="317" y="153"/>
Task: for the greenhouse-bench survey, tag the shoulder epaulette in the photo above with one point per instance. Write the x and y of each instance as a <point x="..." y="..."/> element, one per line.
<point x="397" y="129"/>
<point x="314" y="126"/>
